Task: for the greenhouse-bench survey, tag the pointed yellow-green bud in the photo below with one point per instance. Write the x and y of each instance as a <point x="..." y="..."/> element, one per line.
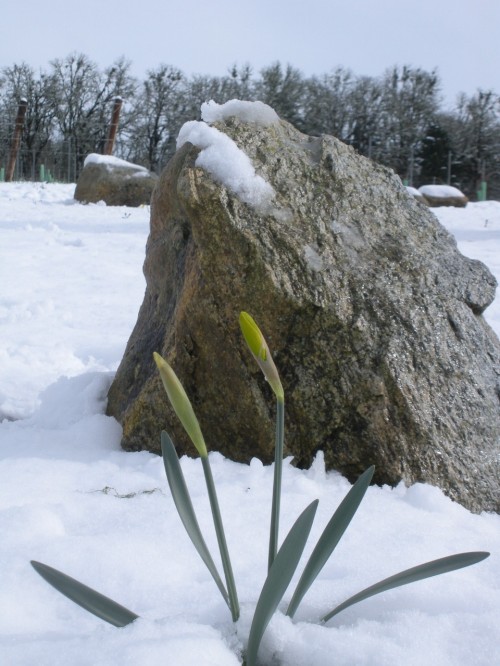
<point x="181" y="404"/>
<point x="258" y="346"/>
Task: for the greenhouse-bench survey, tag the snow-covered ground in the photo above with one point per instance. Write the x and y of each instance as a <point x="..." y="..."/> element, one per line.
<point x="70" y="288"/>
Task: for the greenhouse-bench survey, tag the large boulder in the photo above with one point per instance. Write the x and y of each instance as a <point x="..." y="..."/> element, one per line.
<point x="373" y="316"/>
<point x="114" y="181"/>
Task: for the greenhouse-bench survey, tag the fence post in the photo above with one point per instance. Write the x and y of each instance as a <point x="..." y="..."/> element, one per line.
<point x="115" y="117"/>
<point x="16" y="139"/>
<point x="482" y="192"/>
<point x="69" y="161"/>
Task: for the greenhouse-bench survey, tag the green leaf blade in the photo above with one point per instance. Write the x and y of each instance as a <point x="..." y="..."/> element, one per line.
<point x="332" y="534"/>
<point x="185" y="509"/>
<point x="221" y="539"/>
<point x="420" y="572"/>
<point x="92" y="601"/>
<point x="278" y="473"/>
<point x="278" y="579"/>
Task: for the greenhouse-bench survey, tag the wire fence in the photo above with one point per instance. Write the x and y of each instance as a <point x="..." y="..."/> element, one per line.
<point x="60" y="162"/>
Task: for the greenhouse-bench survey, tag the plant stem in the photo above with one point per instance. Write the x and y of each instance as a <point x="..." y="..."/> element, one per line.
<point x="278" y="467"/>
<point x="221" y="539"/>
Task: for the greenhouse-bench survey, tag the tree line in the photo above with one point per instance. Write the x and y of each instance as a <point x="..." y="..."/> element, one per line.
<point x="395" y="118"/>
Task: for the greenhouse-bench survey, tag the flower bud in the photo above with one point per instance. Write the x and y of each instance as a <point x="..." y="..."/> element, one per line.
<point x="181" y="404"/>
<point x="260" y="351"/>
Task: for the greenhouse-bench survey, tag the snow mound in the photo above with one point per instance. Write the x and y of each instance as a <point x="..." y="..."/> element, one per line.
<point x="413" y="191"/>
<point x="70" y="400"/>
<point x="112" y="162"/>
<point x="440" y="191"/>
<point x="248" y="112"/>
<point x="227" y="163"/>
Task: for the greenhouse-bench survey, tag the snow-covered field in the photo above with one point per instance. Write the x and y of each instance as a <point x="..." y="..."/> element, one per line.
<point x="71" y="284"/>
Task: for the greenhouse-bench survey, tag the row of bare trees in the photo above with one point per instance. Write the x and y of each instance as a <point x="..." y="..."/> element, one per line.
<point x="395" y="118"/>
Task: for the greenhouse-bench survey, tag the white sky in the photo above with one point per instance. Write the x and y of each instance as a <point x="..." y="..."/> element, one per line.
<point x="459" y="37"/>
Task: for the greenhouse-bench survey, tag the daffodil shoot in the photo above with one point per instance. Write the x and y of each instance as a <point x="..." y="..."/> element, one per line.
<point x="181" y="404"/>
<point x="283" y="559"/>
<point x="260" y="351"/>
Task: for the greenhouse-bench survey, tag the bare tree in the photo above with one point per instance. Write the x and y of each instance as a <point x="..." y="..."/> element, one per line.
<point x="409" y="104"/>
<point x="20" y="81"/>
<point x="83" y="99"/>
<point x="238" y="84"/>
<point x="365" y="115"/>
<point x="284" y="90"/>
<point x="475" y="133"/>
<point x="154" y="117"/>
<point x="327" y="104"/>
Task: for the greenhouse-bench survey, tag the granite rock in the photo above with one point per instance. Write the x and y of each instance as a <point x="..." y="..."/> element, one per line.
<point x="114" y="181"/>
<point x="373" y="316"/>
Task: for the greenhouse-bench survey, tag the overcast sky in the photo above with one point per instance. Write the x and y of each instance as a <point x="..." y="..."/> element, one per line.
<point x="461" y="38"/>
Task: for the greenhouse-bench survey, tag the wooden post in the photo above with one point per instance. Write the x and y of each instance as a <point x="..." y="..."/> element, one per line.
<point x="16" y="139"/>
<point x="115" y="117"/>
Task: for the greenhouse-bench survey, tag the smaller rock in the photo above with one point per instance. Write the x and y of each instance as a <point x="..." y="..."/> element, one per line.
<point x="443" y="195"/>
<point x="114" y="181"/>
